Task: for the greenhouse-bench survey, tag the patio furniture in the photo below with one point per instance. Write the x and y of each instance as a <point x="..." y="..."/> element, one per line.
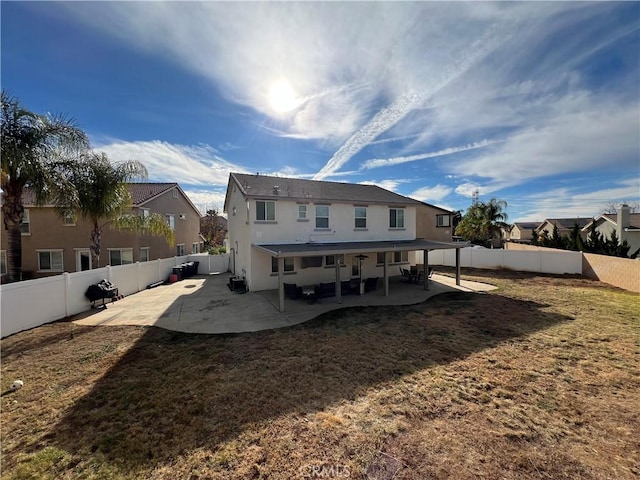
<point x="237" y="285"/>
<point x="309" y="294"/>
<point x="292" y="291"/>
<point x="370" y="284"/>
<point x="324" y="290"/>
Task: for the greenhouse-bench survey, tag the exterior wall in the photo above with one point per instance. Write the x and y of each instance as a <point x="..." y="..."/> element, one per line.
<point x="48" y="232"/>
<point x="288" y="229"/>
<point x="239" y="233"/>
<point x="518" y="234"/>
<point x="620" y="272"/>
<point x="426" y="226"/>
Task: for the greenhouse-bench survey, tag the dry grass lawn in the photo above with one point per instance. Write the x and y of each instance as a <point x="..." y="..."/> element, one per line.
<point x="539" y="379"/>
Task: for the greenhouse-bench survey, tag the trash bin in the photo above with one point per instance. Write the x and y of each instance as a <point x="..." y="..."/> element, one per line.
<point x="178" y="271"/>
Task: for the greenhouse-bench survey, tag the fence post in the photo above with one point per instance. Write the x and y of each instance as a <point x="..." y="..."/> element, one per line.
<point x="66" y="293"/>
<point x="138" y="274"/>
<point x="109" y="273"/>
<point x="209" y="259"/>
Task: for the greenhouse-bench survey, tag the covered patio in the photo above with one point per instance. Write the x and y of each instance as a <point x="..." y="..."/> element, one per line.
<point x="293" y="250"/>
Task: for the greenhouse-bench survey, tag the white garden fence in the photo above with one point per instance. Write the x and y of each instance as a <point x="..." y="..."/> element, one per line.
<point x="558" y="262"/>
<point x="31" y="303"/>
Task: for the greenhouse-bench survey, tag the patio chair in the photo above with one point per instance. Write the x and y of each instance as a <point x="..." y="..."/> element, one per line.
<point x="292" y="291"/>
<point x="370" y="284"/>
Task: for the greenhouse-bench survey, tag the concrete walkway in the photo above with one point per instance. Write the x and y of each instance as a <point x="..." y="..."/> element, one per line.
<point x="204" y="304"/>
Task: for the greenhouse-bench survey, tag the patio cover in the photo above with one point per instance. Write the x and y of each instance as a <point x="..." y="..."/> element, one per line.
<point x="287" y="250"/>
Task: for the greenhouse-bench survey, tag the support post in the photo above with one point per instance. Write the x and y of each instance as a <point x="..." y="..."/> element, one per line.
<point x="281" y="283"/>
<point x="67" y="293"/>
<point x="425" y="262"/>
<point x="457" y="266"/>
<point x="338" y="283"/>
<point x="386" y="274"/>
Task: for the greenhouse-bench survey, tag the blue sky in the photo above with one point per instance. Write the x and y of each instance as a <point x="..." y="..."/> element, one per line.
<point x="534" y="103"/>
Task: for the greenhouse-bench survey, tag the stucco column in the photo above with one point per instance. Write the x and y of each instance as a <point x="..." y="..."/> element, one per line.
<point x="457" y="266"/>
<point x="338" y="286"/>
<point x="386" y="274"/>
<point x="281" y="282"/>
<point x="426" y="269"/>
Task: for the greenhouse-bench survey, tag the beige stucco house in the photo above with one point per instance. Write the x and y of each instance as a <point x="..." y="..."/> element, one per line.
<point x="51" y="245"/>
<point x="307" y="232"/>
<point x="624" y="223"/>
<point x="565" y="225"/>
<point x="521" y="232"/>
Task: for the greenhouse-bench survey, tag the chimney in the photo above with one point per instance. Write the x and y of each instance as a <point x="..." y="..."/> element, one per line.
<point x="623" y="221"/>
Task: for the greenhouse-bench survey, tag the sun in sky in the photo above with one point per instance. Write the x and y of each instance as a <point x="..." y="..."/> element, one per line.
<point x="282" y="97"/>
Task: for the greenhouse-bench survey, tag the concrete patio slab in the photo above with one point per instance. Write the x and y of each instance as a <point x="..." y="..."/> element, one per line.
<point x="204" y="304"/>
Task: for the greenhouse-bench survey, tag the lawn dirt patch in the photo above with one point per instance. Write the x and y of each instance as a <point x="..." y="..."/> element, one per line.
<point x="538" y="379"/>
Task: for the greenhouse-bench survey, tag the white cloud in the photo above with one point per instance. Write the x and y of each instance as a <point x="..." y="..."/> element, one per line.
<point x="436" y="193"/>
<point x="185" y="164"/>
<point x="391" y="185"/>
<point x="379" y="162"/>
<point x="206" y="200"/>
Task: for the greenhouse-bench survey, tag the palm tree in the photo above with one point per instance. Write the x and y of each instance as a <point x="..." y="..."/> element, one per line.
<point x="483" y="222"/>
<point x="31" y="147"/>
<point x="102" y="197"/>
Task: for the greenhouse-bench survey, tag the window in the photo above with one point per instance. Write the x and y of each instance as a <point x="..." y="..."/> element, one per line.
<point x="174" y="193"/>
<point x="302" y="212"/>
<point x="380" y="258"/>
<point x="25" y="228"/>
<point x="144" y="254"/>
<point x="195" y="247"/>
<point x="361" y="217"/>
<point x="288" y="265"/>
<point x="171" y="220"/>
<point x="396" y="218"/>
<point x="3" y="262"/>
<point x="443" y="220"/>
<point x="69" y="219"/>
<point x="50" y="261"/>
<point x="145" y="212"/>
<point x="400" y="257"/>
<point x="265" y="211"/>
<point x="322" y="216"/>
<point x="330" y="260"/>
<point x="180" y="249"/>
<point x="120" y="256"/>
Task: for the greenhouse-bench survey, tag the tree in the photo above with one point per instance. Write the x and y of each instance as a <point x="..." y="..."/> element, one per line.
<point x="32" y="146"/>
<point x="483" y="222"/>
<point x="574" y="242"/>
<point x="102" y="197"/>
<point x="212" y="229"/>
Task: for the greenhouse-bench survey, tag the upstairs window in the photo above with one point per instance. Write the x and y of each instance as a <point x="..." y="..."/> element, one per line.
<point x="322" y="216"/>
<point x="396" y="218"/>
<point x="360" y="217"/>
<point x="69" y="219"/>
<point x="265" y="211"/>
<point x="443" y="220"/>
<point x="25" y="227"/>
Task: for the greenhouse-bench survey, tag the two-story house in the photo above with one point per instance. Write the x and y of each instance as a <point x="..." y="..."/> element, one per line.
<point x="316" y="231"/>
<point x="565" y="225"/>
<point x="623" y="222"/>
<point x="52" y="245"/>
<point x="521" y="232"/>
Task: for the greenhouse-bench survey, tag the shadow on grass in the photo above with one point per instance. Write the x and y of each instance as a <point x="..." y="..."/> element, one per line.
<point x="173" y="393"/>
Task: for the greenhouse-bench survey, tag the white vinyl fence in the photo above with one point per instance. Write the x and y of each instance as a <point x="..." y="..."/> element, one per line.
<point x="31" y="303"/>
<point x="557" y="262"/>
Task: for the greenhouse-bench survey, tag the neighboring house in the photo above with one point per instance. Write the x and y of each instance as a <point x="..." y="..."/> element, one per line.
<point x="624" y="223"/>
<point x="521" y="232"/>
<point x="433" y="223"/>
<point x="565" y="225"/>
<point x="52" y="245"/>
<point x="306" y="232"/>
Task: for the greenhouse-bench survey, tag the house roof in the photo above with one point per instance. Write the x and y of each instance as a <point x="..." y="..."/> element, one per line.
<point x="143" y="192"/>
<point x="565" y="223"/>
<point x="140" y="193"/>
<point x="444" y="210"/>
<point x="634" y="220"/>
<point x="264" y="186"/>
<point x="315" y="249"/>
<point x="526" y="225"/>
